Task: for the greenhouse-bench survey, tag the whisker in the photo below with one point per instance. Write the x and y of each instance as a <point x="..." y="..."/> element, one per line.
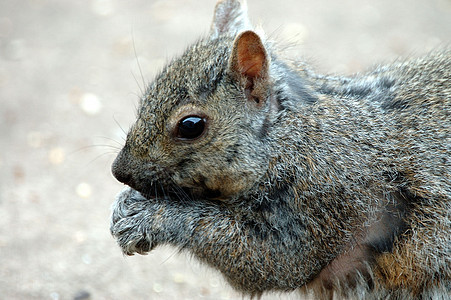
<point x="78" y="150"/>
<point x="99" y="156"/>
<point x="181" y="194"/>
<point x="113" y="140"/>
<point x="156" y="191"/>
<point x="170" y="256"/>
<point x="137" y="83"/>
<point x="117" y="123"/>
<point x="139" y="65"/>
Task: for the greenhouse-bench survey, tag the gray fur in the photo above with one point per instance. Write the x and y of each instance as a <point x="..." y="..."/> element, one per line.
<point x="336" y="186"/>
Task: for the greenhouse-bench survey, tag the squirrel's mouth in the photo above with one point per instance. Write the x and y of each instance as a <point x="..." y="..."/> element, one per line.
<point x="157" y="190"/>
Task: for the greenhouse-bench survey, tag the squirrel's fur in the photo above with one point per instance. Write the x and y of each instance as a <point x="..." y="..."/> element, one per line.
<point x="339" y="186"/>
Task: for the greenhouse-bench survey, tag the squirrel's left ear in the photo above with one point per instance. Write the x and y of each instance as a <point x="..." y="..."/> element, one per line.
<point x="230" y="18"/>
<point x="249" y="64"/>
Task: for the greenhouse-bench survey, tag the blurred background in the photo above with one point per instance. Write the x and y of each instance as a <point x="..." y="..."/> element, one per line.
<point x="69" y="85"/>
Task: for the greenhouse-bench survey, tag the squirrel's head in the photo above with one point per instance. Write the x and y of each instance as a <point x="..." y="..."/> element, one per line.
<point x="202" y="123"/>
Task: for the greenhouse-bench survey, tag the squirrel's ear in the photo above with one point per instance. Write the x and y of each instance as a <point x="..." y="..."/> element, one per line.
<point x="249" y="62"/>
<point x="230" y="18"/>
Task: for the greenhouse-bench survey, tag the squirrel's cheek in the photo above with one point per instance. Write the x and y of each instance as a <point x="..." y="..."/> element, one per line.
<point x="228" y="186"/>
<point x="219" y="184"/>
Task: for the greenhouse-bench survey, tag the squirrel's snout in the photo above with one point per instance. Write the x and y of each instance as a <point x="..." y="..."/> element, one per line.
<point x="120" y="172"/>
<point x="121" y="176"/>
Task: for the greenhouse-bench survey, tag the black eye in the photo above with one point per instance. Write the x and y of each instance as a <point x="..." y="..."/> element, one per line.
<point x="191" y="127"/>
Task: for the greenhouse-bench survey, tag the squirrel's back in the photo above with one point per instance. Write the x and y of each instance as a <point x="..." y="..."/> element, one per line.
<point x="411" y="101"/>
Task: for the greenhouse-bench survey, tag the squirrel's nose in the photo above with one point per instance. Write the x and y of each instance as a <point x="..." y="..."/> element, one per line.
<point x="120" y="175"/>
<point x="120" y="170"/>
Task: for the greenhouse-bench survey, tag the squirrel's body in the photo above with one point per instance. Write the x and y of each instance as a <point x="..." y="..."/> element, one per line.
<point x="282" y="179"/>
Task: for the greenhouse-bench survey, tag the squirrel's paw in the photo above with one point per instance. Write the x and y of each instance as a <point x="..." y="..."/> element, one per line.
<point x="130" y="222"/>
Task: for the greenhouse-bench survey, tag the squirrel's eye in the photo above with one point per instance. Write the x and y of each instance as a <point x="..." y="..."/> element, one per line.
<point x="190" y="127"/>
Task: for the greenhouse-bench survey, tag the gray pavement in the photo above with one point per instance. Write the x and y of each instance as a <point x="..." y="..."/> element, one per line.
<point x="69" y="84"/>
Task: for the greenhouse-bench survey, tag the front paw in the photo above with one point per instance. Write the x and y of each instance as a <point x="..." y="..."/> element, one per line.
<point x="131" y="222"/>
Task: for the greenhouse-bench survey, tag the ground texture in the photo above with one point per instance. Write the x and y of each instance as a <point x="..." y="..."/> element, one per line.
<point x="69" y="81"/>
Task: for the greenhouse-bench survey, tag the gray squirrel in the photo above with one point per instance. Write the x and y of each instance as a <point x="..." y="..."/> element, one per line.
<point x="286" y="180"/>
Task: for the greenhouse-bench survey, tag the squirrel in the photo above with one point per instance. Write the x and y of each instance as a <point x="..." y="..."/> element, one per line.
<point x="283" y="180"/>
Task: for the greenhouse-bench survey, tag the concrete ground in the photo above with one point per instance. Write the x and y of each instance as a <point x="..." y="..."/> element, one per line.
<point x="69" y="84"/>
